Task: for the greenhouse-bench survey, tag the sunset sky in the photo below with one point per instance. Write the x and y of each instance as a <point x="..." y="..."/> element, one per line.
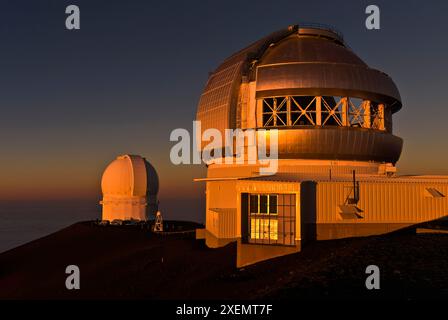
<point x="71" y="101"/>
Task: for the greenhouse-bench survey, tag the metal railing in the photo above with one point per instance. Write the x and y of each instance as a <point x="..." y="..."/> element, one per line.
<point x="322" y="26"/>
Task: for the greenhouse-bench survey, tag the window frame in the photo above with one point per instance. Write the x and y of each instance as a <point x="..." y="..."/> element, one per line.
<point x="257" y="220"/>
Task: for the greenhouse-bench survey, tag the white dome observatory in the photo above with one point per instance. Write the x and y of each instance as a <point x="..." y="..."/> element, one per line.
<point x="129" y="185"/>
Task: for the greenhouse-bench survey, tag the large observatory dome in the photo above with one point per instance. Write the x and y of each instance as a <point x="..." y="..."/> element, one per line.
<point x="310" y="154"/>
<point x="130" y="186"/>
<point x="305" y="81"/>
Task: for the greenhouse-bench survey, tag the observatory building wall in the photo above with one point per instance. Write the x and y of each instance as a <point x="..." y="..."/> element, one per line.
<point x="385" y="205"/>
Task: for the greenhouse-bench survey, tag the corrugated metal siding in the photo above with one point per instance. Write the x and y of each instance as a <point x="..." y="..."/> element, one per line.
<point x="221" y="222"/>
<point x="227" y="223"/>
<point x="383" y="202"/>
<point x="216" y="105"/>
<point x="221" y="209"/>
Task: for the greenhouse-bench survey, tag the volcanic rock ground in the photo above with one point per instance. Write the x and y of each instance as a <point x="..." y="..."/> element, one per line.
<point x="128" y="262"/>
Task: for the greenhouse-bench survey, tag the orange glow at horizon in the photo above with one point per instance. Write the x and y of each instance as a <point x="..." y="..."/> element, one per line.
<point x="75" y="180"/>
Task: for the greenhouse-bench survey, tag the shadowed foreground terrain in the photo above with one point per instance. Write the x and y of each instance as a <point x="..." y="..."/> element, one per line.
<point x="127" y="262"/>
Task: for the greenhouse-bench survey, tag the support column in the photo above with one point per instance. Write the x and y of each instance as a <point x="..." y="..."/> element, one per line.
<point x="274" y="113"/>
<point x="318" y="110"/>
<point x="366" y="112"/>
<point x="345" y="120"/>
<point x="259" y="113"/>
<point x="288" y="111"/>
<point x="381" y="117"/>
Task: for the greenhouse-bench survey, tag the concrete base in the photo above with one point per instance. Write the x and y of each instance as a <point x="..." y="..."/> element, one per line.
<point x="251" y="253"/>
<point x="213" y="242"/>
<point x="248" y="253"/>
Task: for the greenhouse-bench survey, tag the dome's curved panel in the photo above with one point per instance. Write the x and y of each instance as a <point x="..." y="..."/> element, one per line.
<point x="152" y="179"/>
<point x="139" y="175"/>
<point x="118" y="178"/>
<point x="327" y="79"/>
<point x="339" y="144"/>
<point x="296" y="49"/>
<point x="304" y="65"/>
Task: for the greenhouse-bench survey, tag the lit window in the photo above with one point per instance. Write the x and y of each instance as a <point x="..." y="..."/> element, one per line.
<point x="271" y="219"/>
<point x="264" y="229"/>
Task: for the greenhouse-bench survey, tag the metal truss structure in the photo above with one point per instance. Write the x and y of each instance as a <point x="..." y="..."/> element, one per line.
<point x="293" y="111"/>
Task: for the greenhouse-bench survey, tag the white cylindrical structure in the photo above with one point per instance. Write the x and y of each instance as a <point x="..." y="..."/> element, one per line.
<point x="129" y="186"/>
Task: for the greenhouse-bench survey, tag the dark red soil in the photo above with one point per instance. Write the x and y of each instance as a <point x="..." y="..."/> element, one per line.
<point x="127" y="262"/>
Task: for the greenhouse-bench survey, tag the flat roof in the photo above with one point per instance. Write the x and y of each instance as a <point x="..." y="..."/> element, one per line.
<point x="300" y="177"/>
